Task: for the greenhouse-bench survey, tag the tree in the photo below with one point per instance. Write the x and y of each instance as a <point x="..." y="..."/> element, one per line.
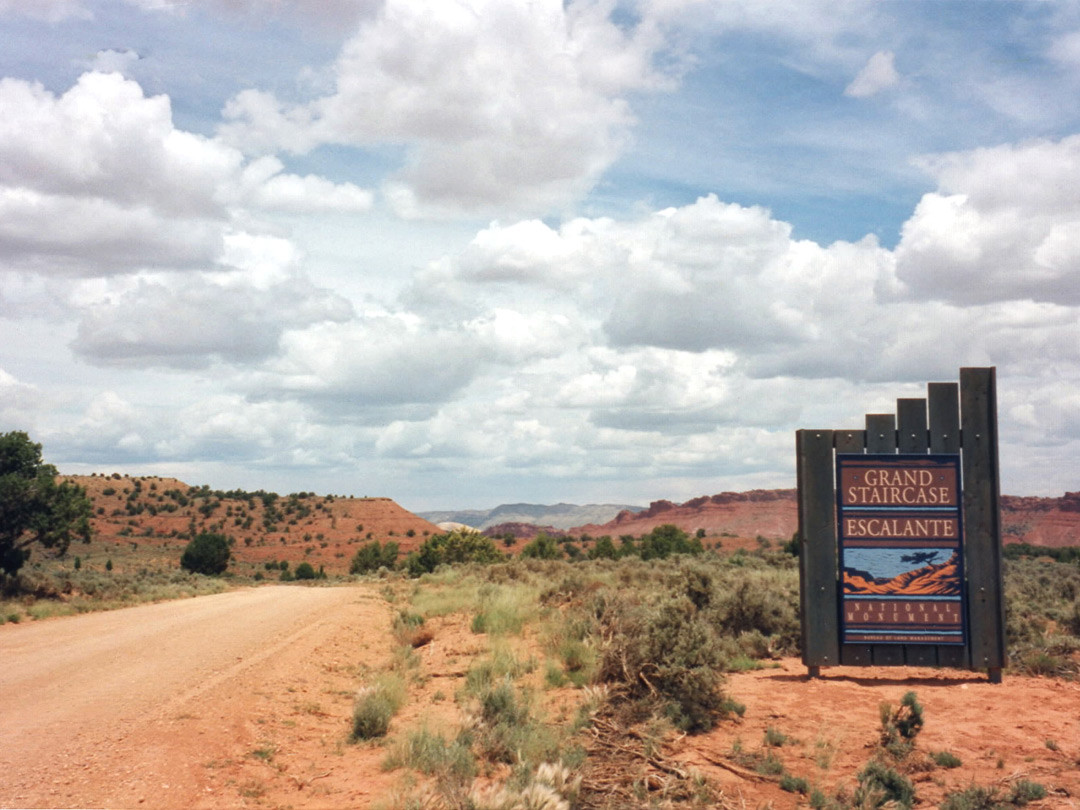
<point x="207" y="553"/>
<point x="34" y="507"/>
<point x="373" y="556"/>
<point x="543" y="547"/>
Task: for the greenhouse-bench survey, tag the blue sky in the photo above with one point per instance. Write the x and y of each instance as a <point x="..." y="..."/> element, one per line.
<point x="488" y="251"/>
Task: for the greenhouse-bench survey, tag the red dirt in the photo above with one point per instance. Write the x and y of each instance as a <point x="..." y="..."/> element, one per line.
<point x="1000" y="732"/>
<point x="244" y="699"/>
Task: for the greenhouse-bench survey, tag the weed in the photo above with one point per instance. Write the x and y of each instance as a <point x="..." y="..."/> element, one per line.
<point x="265" y="753"/>
<point x="899" y="727"/>
<point x="431" y="754"/>
<point x="775" y="739"/>
<point x="1024" y="791"/>
<point x="978" y="797"/>
<point x="794" y="784"/>
<point x="946" y="759"/>
<point x="878" y="784"/>
<point x="770" y="765"/>
<point x="376" y="705"/>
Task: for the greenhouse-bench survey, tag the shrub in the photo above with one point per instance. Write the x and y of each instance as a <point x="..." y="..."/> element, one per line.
<point x="666" y="652"/>
<point x="879" y="784"/>
<point x="207" y="553"/>
<point x="946" y="759"/>
<point x="900" y="727"/>
<point x="794" y="784"/>
<point x="544" y="547"/>
<point x="305" y="571"/>
<point x="373" y="556"/>
<point x="458" y="546"/>
<point x="375" y="706"/>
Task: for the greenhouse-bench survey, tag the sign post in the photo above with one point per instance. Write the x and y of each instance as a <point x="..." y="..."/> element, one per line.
<point x="901" y="542"/>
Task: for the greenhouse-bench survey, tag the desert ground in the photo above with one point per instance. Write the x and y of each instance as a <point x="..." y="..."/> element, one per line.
<point x="244" y="699"/>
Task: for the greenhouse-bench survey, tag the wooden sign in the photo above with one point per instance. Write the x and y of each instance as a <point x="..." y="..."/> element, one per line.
<point x="920" y="484"/>
<point x="901" y="556"/>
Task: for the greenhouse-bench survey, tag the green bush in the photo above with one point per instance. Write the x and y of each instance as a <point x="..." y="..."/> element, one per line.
<point x="207" y="553"/>
<point x="305" y="571"/>
<point x="544" y="547"/>
<point x="878" y="785"/>
<point x="373" y="556"/>
<point x="946" y="759"/>
<point x="376" y="706"/>
<point x="664" y="651"/>
<point x="901" y="726"/>
<point x="458" y="546"/>
<point x="978" y="797"/>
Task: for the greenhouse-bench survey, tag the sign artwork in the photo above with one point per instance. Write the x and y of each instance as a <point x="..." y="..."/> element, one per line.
<point x="901" y="553"/>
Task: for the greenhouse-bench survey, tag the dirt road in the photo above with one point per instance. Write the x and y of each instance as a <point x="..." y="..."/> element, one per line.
<point x="178" y="704"/>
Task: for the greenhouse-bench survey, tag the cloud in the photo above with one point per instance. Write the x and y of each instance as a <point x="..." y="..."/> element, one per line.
<point x="517" y="104"/>
<point x="47" y="10"/>
<point x="1066" y="49"/>
<point x="114" y="61"/>
<point x="878" y="74"/>
<point x="1003" y="225"/>
<point x="16" y="400"/>
<point x="193" y="320"/>
<point x="98" y="181"/>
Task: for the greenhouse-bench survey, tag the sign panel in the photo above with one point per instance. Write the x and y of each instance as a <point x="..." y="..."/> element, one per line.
<point x="901" y="549"/>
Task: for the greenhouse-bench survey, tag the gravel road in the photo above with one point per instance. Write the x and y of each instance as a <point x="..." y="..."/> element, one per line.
<point x="126" y="708"/>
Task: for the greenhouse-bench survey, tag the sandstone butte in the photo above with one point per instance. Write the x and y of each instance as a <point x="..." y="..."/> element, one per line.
<point x="773" y="514"/>
<point x="150" y="517"/>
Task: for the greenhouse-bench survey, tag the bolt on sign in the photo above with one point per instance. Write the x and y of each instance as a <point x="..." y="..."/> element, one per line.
<point x="901" y="556"/>
<point x="900" y="528"/>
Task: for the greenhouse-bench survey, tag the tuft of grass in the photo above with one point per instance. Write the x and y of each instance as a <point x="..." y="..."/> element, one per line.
<point x="946" y="759"/>
<point x="433" y="755"/>
<point x="770" y="765"/>
<point x="878" y="785"/>
<point x="775" y="738"/>
<point x="794" y="784"/>
<point x="376" y="706"/>
<point x="1025" y="791"/>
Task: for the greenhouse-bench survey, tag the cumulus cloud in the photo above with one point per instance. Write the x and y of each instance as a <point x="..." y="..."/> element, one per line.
<point x="519" y="104"/>
<point x="99" y="181"/>
<point x="1003" y="225"/>
<point x="192" y="320"/>
<point x="114" y="61"/>
<point x="16" y="400"/>
<point x="877" y="75"/>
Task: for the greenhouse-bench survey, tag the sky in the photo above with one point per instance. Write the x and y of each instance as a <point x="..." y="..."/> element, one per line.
<point x="472" y="252"/>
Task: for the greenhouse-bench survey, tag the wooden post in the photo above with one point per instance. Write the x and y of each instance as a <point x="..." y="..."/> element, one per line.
<point x="982" y="519"/>
<point x="817" y="560"/>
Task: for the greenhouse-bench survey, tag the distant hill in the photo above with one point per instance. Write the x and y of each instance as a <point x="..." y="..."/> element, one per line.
<point x="773" y="514"/>
<point x="557" y="516"/>
<point x="155" y="517"/>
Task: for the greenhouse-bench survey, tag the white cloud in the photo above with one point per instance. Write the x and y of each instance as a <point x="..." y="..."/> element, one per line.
<point x="17" y="401"/>
<point x="1066" y="49"/>
<point x="189" y="321"/>
<point x="520" y="104"/>
<point x="877" y="75"/>
<point x="48" y="10"/>
<point x="1003" y="225"/>
<point x="98" y="181"/>
<point x="114" y="61"/>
